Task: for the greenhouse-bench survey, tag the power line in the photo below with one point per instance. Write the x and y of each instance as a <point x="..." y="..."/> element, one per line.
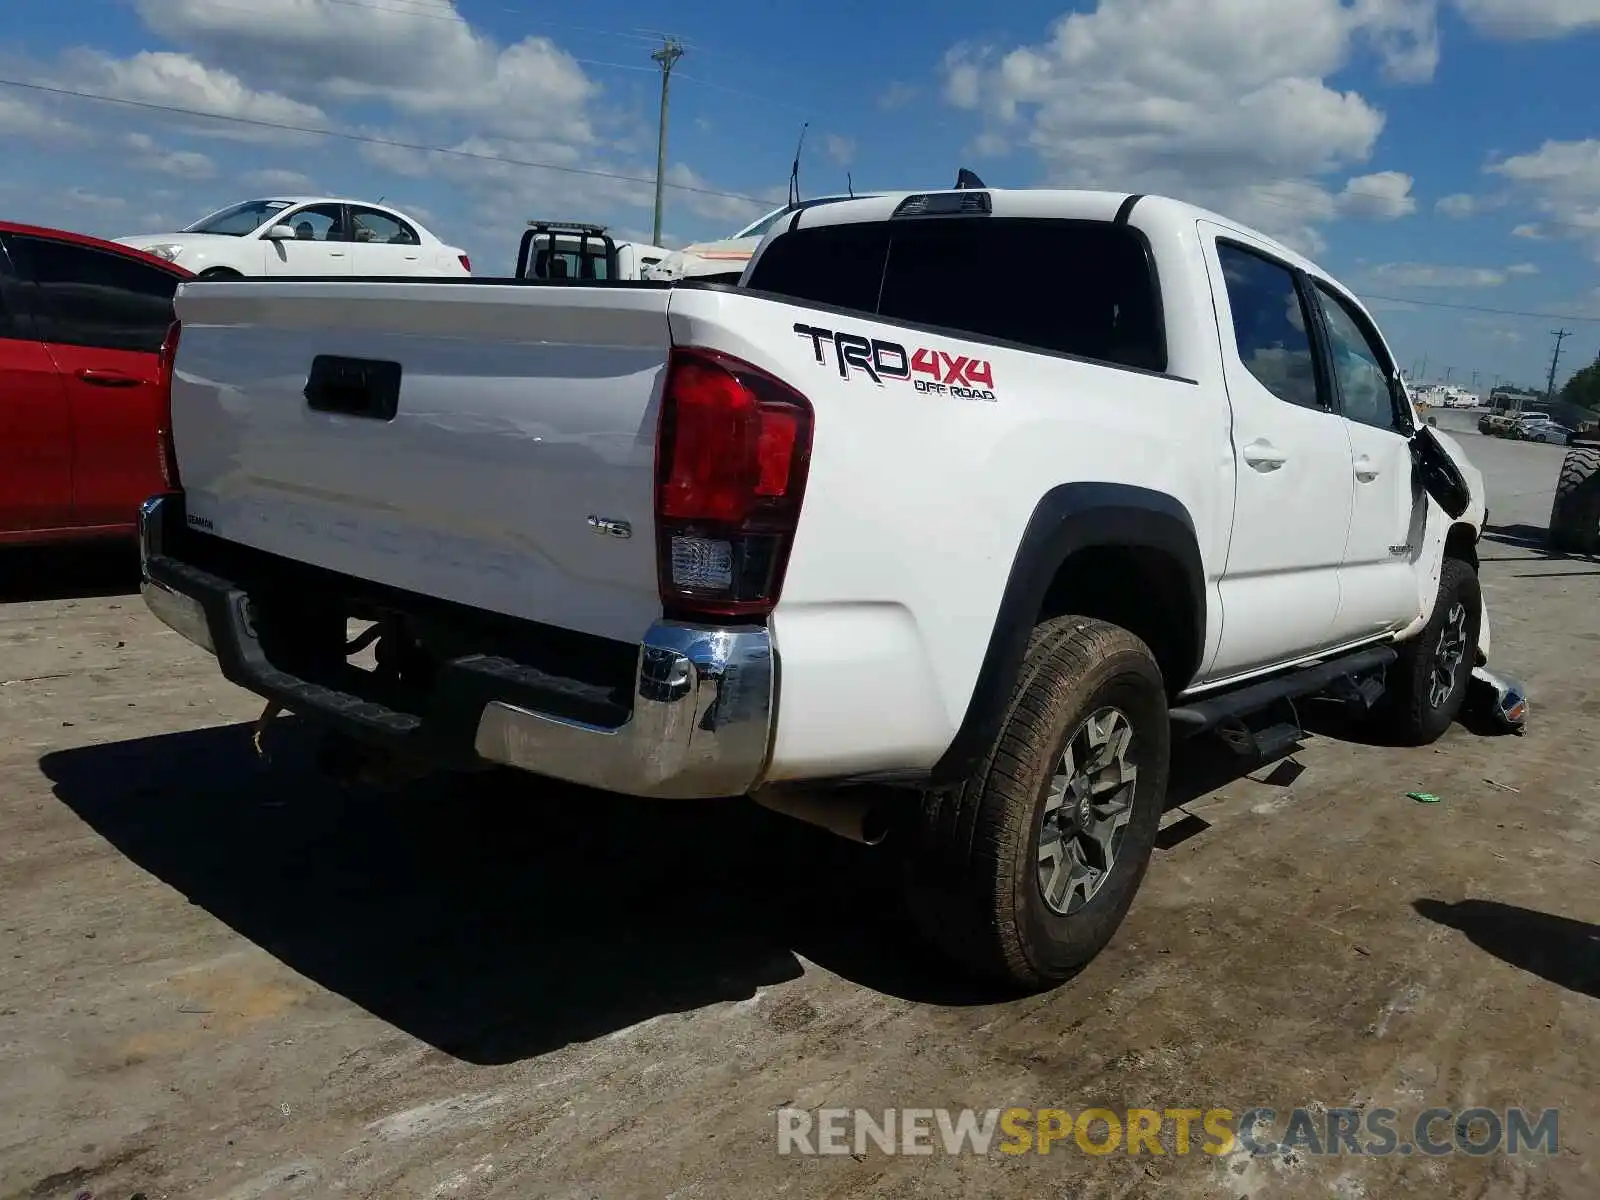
<point x="1499" y="312"/>
<point x="371" y="140"/>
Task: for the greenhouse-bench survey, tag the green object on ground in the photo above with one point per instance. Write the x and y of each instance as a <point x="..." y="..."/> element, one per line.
<point x="1423" y="797"/>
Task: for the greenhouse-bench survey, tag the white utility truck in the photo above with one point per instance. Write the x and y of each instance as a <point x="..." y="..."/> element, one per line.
<point x="560" y="250"/>
<point x="878" y="535"/>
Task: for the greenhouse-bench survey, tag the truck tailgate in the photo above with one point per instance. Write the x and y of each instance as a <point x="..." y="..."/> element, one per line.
<point x="523" y="421"/>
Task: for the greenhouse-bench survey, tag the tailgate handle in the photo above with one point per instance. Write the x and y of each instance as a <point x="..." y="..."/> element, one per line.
<point x="354" y="387"/>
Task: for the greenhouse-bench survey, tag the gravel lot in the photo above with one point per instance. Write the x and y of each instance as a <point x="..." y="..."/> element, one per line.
<point x="222" y="979"/>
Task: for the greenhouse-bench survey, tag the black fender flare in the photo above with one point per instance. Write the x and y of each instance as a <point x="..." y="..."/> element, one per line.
<point x="1069" y="518"/>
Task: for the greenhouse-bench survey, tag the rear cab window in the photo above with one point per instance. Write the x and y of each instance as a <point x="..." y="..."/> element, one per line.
<point x="1088" y="288"/>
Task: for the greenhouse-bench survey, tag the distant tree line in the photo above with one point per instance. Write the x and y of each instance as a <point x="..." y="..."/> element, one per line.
<point x="1583" y="389"/>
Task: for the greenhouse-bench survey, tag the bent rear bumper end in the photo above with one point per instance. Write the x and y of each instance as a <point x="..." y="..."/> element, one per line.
<point x="699" y="726"/>
<point x="701" y="723"/>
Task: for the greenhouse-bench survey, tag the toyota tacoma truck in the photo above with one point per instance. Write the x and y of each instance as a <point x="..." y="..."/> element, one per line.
<point x="943" y="521"/>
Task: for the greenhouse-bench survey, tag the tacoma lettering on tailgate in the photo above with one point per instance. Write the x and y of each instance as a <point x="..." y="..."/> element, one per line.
<point x="933" y="371"/>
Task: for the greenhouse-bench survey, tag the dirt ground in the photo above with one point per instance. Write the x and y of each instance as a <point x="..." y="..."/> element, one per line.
<point x="223" y="979"/>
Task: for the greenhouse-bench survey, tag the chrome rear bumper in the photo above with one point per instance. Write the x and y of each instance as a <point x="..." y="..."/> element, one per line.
<point x="700" y="724"/>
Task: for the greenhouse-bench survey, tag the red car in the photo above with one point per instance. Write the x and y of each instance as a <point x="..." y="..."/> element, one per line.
<point x="83" y="390"/>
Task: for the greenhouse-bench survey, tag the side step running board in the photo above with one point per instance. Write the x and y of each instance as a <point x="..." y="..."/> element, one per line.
<point x="1208" y="712"/>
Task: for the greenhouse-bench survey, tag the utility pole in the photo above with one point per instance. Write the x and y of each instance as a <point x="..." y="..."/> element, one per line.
<point x="1560" y="336"/>
<point x="1447" y="372"/>
<point x="1424" y="374"/>
<point x="671" y="51"/>
<point x="1474" y="381"/>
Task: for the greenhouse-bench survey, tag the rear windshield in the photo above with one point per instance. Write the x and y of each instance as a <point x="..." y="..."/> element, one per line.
<point x="1084" y="288"/>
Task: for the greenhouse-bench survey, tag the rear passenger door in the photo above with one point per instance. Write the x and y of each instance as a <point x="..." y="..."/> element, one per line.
<point x="35" y="420"/>
<point x="1293" y="488"/>
<point x="103" y="317"/>
<point x="383" y="244"/>
<point x="1378" y="583"/>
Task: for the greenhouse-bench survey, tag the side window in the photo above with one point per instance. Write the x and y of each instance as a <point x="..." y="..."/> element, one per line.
<point x="89" y="297"/>
<point x="318" y="223"/>
<point x="838" y="265"/>
<point x="14" y="322"/>
<point x="1269" y="325"/>
<point x="1088" y="289"/>
<point x="370" y="225"/>
<point x="1364" y="391"/>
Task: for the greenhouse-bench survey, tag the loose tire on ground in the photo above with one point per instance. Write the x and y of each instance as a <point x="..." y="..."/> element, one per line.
<point x="1575" y="512"/>
<point x="974" y="876"/>
<point x="1417" y="706"/>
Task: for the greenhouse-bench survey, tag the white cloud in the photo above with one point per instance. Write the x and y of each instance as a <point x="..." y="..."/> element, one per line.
<point x="1522" y="269"/>
<point x="1532" y="232"/>
<point x="184" y="164"/>
<point x="24" y="120"/>
<point x="1460" y="205"/>
<point x="1405" y="34"/>
<point x="83" y="198"/>
<point x="736" y="212"/>
<point x="281" y="179"/>
<point x="1226" y="103"/>
<point x="1383" y="196"/>
<point x="1563" y="181"/>
<point x="1528" y="19"/>
<point x="897" y="95"/>
<point x="990" y="144"/>
<point x="182" y="81"/>
<point x="422" y="57"/>
<point x="841" y="149"/>
<point x="1422" y="275"/>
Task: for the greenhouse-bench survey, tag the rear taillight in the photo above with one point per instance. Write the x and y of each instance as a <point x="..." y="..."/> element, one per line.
<point x="732" y="452"/>
<point x="164" y="375"/>
<point x="466" y="263"/>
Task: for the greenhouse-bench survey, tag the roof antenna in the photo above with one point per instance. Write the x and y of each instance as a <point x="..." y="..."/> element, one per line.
<point x="966" y="180"/>
<point x="850" y="185"/>
<point x="794" y="171"/>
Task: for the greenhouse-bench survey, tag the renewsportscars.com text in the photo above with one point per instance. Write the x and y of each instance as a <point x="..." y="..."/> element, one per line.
<point x="1318" y="1131"/>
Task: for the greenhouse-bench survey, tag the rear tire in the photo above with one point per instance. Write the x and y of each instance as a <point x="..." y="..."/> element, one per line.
<point x="982" y="858"/>
<point x="1575" y="511"/>
<point x="219" y="273"/>
<point x="1428" y="684"/>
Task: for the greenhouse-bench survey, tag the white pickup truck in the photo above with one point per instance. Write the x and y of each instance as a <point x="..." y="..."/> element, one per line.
<point x="945" y="520"/>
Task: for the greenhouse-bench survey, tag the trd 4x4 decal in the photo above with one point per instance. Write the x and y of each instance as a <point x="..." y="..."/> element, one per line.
<point x="937" y="372"/>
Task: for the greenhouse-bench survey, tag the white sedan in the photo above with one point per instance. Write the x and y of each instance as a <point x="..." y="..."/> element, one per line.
<point x="305" y="235"/>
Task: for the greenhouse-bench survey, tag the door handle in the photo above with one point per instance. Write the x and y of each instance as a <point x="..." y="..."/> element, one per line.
<point x="112" y="379"/>
<point x="1366" y="472"/>
<point x="1263" y="456"/>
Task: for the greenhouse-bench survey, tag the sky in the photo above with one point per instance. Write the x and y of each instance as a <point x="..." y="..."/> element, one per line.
<point x="1440" y="157"/>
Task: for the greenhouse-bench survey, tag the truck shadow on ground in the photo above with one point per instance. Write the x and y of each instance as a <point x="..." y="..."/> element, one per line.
<point x="494" y="917"/>
<point x="1534" y="539"/>
<point x="1558" y="949"/>
<point x="497" y="917"/>
<point x="35" y="573"/>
